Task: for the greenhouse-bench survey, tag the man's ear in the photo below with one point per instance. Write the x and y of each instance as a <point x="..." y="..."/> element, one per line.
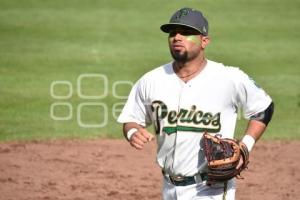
<point x="205" y="41"/>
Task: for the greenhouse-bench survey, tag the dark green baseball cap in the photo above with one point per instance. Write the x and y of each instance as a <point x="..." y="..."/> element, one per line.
<point x="187" y="17"/>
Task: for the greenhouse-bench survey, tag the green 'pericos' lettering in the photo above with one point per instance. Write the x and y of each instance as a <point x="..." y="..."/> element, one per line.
<point x="184" y="119"/>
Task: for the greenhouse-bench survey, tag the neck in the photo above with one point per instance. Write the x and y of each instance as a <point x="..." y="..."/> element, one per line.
<point x="188" y="70"/>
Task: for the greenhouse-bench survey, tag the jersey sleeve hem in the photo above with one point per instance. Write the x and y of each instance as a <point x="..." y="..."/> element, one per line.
<point x="262" y="108"/>
<point x="128" y="120"/>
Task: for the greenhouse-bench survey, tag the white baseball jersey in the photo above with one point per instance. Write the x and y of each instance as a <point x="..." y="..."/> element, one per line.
<point x="181" y="111"/>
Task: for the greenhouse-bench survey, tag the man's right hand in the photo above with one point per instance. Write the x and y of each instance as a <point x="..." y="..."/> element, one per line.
<point x="140" y="137"/>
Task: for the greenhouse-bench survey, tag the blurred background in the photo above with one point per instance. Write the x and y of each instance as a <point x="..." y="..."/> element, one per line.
<point x="66" y="66"/>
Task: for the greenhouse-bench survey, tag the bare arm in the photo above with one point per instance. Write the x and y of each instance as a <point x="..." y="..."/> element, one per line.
<point x="255" y="129"/>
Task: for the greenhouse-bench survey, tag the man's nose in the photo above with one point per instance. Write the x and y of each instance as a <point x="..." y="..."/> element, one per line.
<point x="177" y="36"/>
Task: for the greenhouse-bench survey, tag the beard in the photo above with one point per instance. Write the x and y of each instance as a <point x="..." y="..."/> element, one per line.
<point x="180" y="57"/>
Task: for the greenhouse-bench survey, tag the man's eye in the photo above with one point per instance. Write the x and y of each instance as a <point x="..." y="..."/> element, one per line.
<point x="172" y="34"/>
<point x="185" y="33"/>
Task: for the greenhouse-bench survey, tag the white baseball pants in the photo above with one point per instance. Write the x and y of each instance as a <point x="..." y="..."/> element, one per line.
<point x="199" y="191"/>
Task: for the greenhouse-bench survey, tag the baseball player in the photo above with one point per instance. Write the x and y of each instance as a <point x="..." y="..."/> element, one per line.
<point x="184" y="99"/>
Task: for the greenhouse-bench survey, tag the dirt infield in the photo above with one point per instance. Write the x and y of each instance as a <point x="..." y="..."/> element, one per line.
<point x="111" y="169"/>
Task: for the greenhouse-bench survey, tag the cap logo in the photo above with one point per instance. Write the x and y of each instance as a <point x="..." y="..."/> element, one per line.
<point x="182" y="12"/>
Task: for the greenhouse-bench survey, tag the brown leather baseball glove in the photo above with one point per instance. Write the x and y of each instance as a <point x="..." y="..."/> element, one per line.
<point x="223" y="156"/>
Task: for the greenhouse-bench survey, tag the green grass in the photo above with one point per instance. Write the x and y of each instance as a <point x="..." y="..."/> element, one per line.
<point x="58" y="40"/>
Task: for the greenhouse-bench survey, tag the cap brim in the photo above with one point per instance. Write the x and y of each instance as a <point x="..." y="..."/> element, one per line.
<point x="171" y="26"/>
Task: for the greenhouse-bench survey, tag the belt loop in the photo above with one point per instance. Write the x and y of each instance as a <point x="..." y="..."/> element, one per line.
<point x="198" y="178"/>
